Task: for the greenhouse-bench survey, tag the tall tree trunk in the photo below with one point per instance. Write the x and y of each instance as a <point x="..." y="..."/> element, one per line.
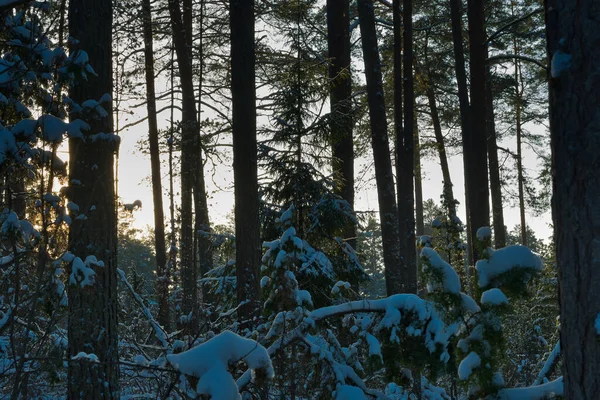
<point x="405" y="146"/>
<point x="247" y="226"/>
<point x="419" y="219"/>
<point x="477" y="170"/>
<point x="202" y="228"/>
<point x="519" y="131"/>
<point x="465" y="114"/>
<point x="388" y="212"/>
<point x="520" y="176"/>
<point x="573" y="38"/>
<point x="93" y="308"/>
<point x="439" y="141"/>
<point x="202" y="222"/>
<point x="189" y="164"/>
<point x="162" y="277"/>
<point x="340" y="94"/>
<point x="494" y="165"/>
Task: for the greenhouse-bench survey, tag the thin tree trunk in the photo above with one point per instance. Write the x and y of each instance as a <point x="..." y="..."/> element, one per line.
<point x="573" y="35"/>
<point x="405" y="147"/>
<point x="463" y="98"/>
<point x="93" y="308"/>
<point x="202" y="228"/>
<point x="19" y="204"/>
<point x="162" y="278"/>
<point x="519" y="130"/>
<point x="202" y="222"/>
<point x="189" y="165"/>
<point x="388" y="212"/>
<point x="338" y="25"/>
<point x="494" y="165"/>
<point x="247" y="225"/>
<point x="439" y="140"/>
<point x="419" y="219"/>
<point x="520" y="170"/>
<point x="477" y="171"/>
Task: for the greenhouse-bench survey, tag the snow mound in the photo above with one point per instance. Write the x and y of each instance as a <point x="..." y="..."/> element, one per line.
<point x="504" y="260"/>
<point x="210" y="361"/>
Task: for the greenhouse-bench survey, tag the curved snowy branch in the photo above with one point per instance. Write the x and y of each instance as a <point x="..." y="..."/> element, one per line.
<point x="501" y="57"/>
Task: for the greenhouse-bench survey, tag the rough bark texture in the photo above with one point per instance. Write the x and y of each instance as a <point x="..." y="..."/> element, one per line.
<point x="405" y="146"/>
<point x="93" y="309"/>
<point x="572" y="28"/>
<point x="162" y="277"/>
<point x="463" y="99"/>
<point x="338" y="37"/>
<point x="477" y="169"/>
<point x="494" y="165"/>
<point x="247" y="228"/>
<point x="388" y="213"/>
<point x="189" y="165"/>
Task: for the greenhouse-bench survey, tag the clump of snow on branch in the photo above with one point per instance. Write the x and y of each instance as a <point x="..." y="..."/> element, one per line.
<point x="83" y="356"/>
<point x="467" y="365"/>
<point x="447" y="278"/>
<point x="424" y="319"/>
<point x="209" y="362"/>
<point x="494" y="297"/>
<point x="504" y="260"/>
<point x="483" y="233"/>
<point x="82" y="273"/>
<point x="540" y="392"/>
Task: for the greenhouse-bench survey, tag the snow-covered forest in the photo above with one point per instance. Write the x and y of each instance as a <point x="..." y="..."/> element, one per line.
<point x="303" y="293"/>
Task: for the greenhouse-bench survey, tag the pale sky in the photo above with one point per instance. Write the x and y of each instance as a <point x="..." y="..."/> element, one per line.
<point x="134" y="184"/>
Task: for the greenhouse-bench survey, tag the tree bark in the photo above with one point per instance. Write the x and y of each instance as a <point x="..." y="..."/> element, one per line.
<point x="388" y="212"/>
<point x="93" y="309"/>
<point x="162" y="277"/>
<point x="189" y="165"/>
<point x="477" y="169"/>
<point x="572" y="30"/>
<point x="247" y="225"/>
<point x="405" y="145"/>
<point x="463" y="98"/>
<point x="340" y="94"/>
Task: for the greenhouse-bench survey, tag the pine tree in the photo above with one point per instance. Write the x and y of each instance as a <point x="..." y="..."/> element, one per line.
<point x="573" y="34"/>
<point x="388" y="211"/>
<point x="93" y="234"/>
<point x="247" y="227"/>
